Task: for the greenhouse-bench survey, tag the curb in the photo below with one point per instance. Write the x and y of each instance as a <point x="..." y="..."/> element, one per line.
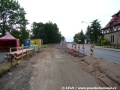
<point x="110" y="49"/>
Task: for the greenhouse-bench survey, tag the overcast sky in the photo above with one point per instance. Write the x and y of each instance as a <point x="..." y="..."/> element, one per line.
<point x="69" y="14"/>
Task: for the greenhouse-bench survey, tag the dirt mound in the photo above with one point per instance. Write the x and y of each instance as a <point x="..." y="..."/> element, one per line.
<point x="106" y="72"/>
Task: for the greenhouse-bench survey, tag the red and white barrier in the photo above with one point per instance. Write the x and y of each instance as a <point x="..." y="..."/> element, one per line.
<point x="92" y="50"/>
<point x="83" y="48"/>
<point x="79" y="48"/>
<point x="75" y="47"/>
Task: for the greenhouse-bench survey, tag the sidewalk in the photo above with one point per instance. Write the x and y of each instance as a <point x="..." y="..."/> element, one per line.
<point x="111" y="49"/>
<point x="102" y="47"/>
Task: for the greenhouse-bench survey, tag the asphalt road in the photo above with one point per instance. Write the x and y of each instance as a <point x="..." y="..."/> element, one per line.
<point x="106" y="54"/>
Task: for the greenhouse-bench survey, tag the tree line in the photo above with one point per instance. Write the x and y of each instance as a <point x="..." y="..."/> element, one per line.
<point x="92" y="35"/>
<point x="48" y="32"/>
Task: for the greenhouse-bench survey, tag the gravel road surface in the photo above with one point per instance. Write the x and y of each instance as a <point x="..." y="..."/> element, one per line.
<point x="49" y="70"/>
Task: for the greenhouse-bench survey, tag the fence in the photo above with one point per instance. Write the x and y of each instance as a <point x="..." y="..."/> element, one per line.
<point x="21" y="52"/>
<point x="79" y="49"/>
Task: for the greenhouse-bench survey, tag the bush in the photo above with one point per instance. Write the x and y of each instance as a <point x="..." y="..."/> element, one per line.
<point x="98" y="44"/>
<point x="105" y="42"/>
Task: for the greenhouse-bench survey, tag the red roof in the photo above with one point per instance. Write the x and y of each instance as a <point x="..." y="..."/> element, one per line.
<point x="114" y="21"/>
<point x="8" y="36"/>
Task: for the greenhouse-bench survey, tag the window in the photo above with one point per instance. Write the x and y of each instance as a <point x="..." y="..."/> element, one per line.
<point x="113" y="38"/>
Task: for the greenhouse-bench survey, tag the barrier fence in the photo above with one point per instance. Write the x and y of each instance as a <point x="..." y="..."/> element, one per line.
<point x="83" y="49"/>
<point x="91" y="50"/>
<point x="20" y="53"/>
<point x="79" y="49"/>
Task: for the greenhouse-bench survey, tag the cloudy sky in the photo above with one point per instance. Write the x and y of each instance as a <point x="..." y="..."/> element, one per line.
<point x="69" y="14"/>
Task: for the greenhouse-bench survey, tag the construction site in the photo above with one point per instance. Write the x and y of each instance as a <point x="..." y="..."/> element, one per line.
<point x="57" y="67"/>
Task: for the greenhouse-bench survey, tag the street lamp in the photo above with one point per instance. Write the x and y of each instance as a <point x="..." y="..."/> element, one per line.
<point x="89" y="30"/>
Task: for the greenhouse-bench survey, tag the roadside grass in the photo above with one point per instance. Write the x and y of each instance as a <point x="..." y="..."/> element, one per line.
<point x="117" y="46"/>
<point x="7" y="66"/>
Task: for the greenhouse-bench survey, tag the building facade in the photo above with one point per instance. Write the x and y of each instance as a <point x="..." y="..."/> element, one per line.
<point x="112" y="30"/>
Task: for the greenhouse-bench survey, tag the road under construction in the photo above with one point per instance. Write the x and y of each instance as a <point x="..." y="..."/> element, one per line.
<point x="53" y="69"/>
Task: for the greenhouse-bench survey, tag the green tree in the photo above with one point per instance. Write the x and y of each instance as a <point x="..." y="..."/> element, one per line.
<point x="79" y="37"/>
<point x="12" y="19"/>
<point x="22" y="36"/>
<point x="87" y="34"/>
<point x="95" y="31"/>
<point x="38" y="31"/>
<point x="49" y="32"/>
<point x="82" y="36"/>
